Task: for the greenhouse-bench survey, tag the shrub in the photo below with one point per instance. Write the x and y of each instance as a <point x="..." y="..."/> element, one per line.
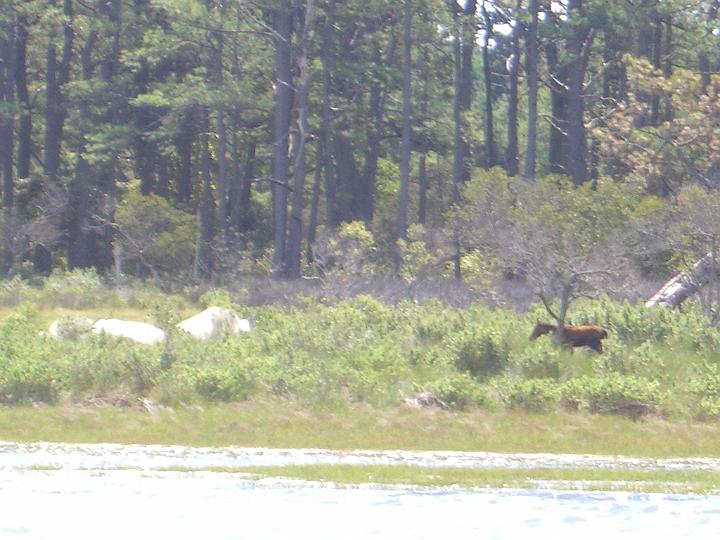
<point x="630" y="323"/>
<point x="459" y="391"/>
<point x="28" y="380"/>
<point x="704" y="390"/>
<point x="104" y="365"/>
<point x="613" y="393"/>
<point x="540" y="361"/>
<point x="73" y="327"/>
<point x="216" y="297"/>
<point x="154" y="234"/>
<point x="646" y="361"/>
<point x="538" y="395"/>
<point x="75" y="289"/>
<point x="223" y="383"/>
<point x="15" y="291"/>
<point x="481" y="352"/>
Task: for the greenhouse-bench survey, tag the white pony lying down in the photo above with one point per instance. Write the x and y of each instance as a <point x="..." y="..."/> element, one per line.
<point x="215" y="322"/>
<point x="139" y="332"/>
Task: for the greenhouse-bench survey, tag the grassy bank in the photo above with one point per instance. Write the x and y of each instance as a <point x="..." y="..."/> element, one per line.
<point x="566" y="479"/>
<point x="337" y="373"/>
<point x="282" y="424"/>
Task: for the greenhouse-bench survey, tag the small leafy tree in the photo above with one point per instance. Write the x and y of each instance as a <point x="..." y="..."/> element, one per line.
<point x="566" y="241"/>
<point x="153" y="235"/>
<point x="345" y="251"/>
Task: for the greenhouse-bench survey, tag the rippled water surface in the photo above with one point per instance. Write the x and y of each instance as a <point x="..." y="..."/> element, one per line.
<point x="112" y="491"/>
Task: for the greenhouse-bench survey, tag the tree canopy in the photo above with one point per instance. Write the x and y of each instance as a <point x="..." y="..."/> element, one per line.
<point x="198" y="139"/>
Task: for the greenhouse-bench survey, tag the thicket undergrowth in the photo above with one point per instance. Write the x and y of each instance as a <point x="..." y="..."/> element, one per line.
<point x="656" y="361"/>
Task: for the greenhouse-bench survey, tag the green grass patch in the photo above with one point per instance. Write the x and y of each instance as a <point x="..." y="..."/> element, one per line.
<point x="585" y="479"/>
<point x="287" y="424"/>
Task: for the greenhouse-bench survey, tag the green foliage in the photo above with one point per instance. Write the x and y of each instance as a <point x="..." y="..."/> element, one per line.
<point x="154" y="235"/>
<point x="165" y="310"/>
<point x="223" y="383"/>
<point x="15" y="291"/>
<point x="363" y="350"/>
<point x="75" y="289"/>
<point x="704" y="390"/>
<point x="538" y="395"/>
<point x="613" y="393"/>
<point x="346" y="251"/>
<point x="217" y="297"/>
<point x="417" y="259"/>
<point x="27" y="365"/>
<point x="539" y="361"/>
<point x="481" y="352"/>
<point x="460" y="391"/>
<point x="73" y="327"/>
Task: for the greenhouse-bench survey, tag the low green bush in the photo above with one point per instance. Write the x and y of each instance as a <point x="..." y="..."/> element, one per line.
<point x="75" y="289"/>
<point x="460" y="391"/>
<point x="541" y="360"/>
<point x="537" y="395"/>
<point x="217" y="383"/>
<point x="16" y="291"/>
<point x="613" y="393"/>
<point x="479" y="351"/>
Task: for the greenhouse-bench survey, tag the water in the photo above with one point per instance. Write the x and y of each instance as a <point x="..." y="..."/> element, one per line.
<point x="123" y="492"/>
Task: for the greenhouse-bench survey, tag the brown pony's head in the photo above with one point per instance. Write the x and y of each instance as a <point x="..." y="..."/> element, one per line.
<point x="541" y="328"/>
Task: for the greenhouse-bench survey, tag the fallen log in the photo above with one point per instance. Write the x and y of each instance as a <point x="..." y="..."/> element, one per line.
<point x="686" y="283"/>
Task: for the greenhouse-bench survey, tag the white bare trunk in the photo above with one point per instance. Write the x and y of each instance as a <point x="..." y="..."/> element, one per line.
<point x="685" y="283"/>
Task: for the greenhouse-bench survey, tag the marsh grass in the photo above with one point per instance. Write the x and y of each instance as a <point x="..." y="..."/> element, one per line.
<point x="288" y="424"/>
<point x="567" y="479"/>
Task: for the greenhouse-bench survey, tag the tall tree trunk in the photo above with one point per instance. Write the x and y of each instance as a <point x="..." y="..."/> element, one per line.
<point x="576" y="148"/>
<point x="314" y="206"/>
<point x="404" y="198"/>
<point x="243" y="194"/>
<point x="184" y="143"/>
<point x="163" y="183"/>
<point x="656" y="61"/>
<point x="145" y="153"/>
<point x="25" y="124"/>
<point x="422" y="161"/>
<point x="57" y="75"/>
<point x="703" y="58"/>
<point x="206" y="211"/>
<point x="283" y="107"/>
<point x="667" y="64"/>
<point x="79" y="251"/>
<point x="579" y="43"/>
<point x="7" y="93"/>
<point x="490" y="156"/>
<point x="463" y="46"/>
<point x="103" y="258"/>
<point x="365" y="194"/>
<point x="298" y="202"/>
<point x="531" y="69"/>
<point x="458" y="156"/>
<point x="558" y="103"/>
<point x="326" y="128"/>
<point x="223" y="186"/>
<point x="512" y="159"/>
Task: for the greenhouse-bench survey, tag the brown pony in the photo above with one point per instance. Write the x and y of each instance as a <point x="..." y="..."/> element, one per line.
<point x="575" y="336"/>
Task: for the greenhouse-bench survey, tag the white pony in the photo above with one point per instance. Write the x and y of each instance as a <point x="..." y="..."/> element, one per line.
<point x="139" y="332"/>
<point x="215" y="322"/>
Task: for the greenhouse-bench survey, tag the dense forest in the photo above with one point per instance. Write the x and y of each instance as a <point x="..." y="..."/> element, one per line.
<point x="571" y="143"/>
